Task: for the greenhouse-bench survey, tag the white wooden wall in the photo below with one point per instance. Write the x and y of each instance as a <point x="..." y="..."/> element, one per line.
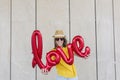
<point x="98" y="21"/>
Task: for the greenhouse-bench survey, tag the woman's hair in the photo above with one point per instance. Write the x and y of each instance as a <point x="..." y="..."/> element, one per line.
<point x="64" y="43"/>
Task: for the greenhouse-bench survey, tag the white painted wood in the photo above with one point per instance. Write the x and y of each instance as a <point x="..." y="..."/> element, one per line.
<point x="105" y="44"/>
<point x="117" y="36"/>
<point x="4" y="40"/>
<point x="23" y="24"/>
<point x="83" y="23"/>
<point x="52" y="15"/>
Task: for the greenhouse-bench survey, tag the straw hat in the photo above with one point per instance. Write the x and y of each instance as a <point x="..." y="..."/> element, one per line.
<point x="59" y="34"/>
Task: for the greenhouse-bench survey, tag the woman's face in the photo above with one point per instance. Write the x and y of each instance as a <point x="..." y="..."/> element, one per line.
<point x="59" y="41"/>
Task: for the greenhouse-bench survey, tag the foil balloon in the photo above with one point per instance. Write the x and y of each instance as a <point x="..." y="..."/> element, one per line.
<point x="70" y="58"/>
<point x="78" y="45"/>
<point x="37" y="48"/>
<point x="52" y="62"/>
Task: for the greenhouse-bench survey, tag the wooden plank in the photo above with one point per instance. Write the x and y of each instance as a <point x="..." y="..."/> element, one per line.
<point x="117" y="34"/>
<point x="23" y="24"/>
<point x="83" y="23"/>
<point x="52" y="15"/>
<point x="105" y="43"/>
<point x="5" y="40"/>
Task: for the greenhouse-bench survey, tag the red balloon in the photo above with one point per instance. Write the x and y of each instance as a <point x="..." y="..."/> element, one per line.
<point x="78" y="45"/>
<point x="37" y="49"/>
<point x="52" y="62"/>
<point x="64" y="57"/>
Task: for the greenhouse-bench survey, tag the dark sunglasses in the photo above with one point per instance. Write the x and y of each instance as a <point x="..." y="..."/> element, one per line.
<point x="57" y="39"/>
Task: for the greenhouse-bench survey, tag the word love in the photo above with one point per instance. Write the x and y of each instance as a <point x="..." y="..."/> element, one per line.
<point x="76" y="46"/>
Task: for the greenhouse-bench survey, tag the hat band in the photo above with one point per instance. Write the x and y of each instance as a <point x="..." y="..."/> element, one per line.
<point x="59" y="35"/>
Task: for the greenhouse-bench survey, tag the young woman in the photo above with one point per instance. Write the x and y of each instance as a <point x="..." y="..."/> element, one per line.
<point x="64" y="70"/>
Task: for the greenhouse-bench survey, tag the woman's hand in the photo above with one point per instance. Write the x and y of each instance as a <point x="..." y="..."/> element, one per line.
<point x="44" y="71"/>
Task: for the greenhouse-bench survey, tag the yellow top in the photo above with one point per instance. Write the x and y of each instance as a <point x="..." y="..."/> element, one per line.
<point x="64" y="69"/>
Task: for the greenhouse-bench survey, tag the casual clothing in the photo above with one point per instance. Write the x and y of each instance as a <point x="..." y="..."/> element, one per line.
<point x="65" y="70"/>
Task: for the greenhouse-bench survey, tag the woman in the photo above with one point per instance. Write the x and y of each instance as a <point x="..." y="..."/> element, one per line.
<point x="64" y="70"/>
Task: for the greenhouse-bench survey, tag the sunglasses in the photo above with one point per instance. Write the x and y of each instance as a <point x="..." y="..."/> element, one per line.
<point x="57" y="39"/>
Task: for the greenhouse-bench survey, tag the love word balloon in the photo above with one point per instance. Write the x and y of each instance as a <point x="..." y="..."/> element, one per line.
<point x="76" y="46"/>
